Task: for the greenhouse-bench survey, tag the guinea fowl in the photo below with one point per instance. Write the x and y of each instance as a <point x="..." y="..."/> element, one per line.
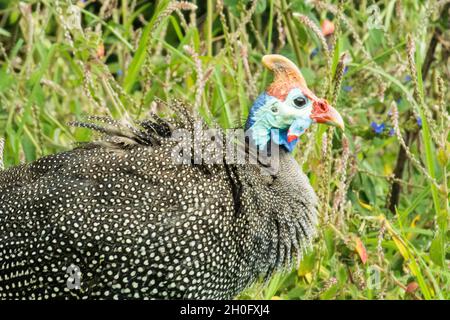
<point x="125" y="220"/>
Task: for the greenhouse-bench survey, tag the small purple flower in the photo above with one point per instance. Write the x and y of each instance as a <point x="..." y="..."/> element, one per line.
<point x="377" y="128"/>
<point x="398" y="101"/>
<point x="347" y="88"/>
<point x="119" y="72"/>
<point x="345" y="69"/>
<point x="391" y="132"/>
<point x="314" y="53"/>
<point x="408" y="78"/>
<point x="419" y="122"/>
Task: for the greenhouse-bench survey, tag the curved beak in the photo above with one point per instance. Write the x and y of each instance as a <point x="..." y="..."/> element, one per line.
<point x="324" y="113"/>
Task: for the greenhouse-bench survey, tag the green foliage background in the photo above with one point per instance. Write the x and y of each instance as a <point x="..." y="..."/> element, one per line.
<point x="62" y="60"/>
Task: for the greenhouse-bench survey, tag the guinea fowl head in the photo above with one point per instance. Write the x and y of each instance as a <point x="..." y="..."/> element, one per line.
<point x="287" y="107"/>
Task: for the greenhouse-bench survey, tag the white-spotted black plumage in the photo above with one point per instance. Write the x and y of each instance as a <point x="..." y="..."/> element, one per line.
<point x="139" y="226"/>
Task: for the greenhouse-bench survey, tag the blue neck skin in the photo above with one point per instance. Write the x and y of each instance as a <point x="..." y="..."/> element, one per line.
<point x="279" y="137"/>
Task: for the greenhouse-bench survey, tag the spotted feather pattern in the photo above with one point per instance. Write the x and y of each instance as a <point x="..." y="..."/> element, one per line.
<point x="139" y="226"/>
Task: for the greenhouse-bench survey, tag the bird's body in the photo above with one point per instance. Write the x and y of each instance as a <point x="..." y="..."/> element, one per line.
<point x="138" y="226"/>
<point x="126" y="221"/>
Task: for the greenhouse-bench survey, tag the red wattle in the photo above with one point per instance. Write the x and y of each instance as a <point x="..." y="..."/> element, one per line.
<point x="291" y="138"/>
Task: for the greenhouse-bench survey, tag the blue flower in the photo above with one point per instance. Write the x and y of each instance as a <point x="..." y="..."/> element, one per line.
<point x="347" y="88"/>
<point x="377" y="128"/>
<point x="391" y="132"/>
<point x="419" y="122"/>
<point x="119" y="72"/>
<point x="314" y="53"/>
<point x="408" y="78"/>
<point x="345" y="69"/>
<point x="398" y="101"/>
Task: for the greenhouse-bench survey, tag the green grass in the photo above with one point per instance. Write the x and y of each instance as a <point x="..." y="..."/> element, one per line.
<point x="53" y="71"/>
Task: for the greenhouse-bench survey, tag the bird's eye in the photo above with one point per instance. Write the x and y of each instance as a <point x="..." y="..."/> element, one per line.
<point x="300" y="102"/>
